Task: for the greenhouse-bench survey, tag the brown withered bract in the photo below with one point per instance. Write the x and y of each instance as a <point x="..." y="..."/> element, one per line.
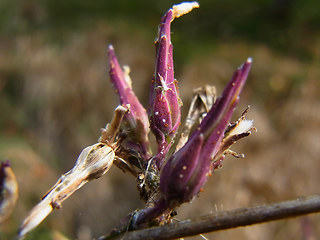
<point x="202" y="100"/>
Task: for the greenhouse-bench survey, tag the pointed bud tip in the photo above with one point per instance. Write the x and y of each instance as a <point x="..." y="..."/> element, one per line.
<point x="110" y="51"/>
<point x="110" y="47"/>
<point x="5" y="163"/>
<point x="245" y="64"/>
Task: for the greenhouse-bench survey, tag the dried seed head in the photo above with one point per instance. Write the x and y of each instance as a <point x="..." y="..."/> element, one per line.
<point x="92" y="163"/>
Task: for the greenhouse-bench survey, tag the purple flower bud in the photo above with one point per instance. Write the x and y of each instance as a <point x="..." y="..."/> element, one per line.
<point x="215" y="123"/>
<point x="187" y="170"/>
<point x="136" y="120"/>
<point x="164" y="110"/>
<point x="8" y="190"/>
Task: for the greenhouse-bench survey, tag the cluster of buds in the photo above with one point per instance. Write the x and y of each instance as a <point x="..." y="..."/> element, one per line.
<point x="164" y="104"/>
<point x="173" y="180"/>
<point x="184" y="174"/>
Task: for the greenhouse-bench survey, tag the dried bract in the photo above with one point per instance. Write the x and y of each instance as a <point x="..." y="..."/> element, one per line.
<point x="93" y="162"/>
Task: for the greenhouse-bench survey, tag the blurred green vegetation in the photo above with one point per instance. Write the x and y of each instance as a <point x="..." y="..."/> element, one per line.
<point x="54" y="94"/>
<point x="287" y="25"/>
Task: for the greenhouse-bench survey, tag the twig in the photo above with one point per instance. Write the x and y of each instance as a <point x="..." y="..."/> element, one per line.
<point x="228" y="219"/>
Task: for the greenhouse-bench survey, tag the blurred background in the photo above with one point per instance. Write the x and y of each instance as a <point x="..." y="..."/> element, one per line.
<point x="55" y="96"/>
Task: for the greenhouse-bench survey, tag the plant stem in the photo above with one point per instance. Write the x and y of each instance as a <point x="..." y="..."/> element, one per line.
<point x="228" y="219"/>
